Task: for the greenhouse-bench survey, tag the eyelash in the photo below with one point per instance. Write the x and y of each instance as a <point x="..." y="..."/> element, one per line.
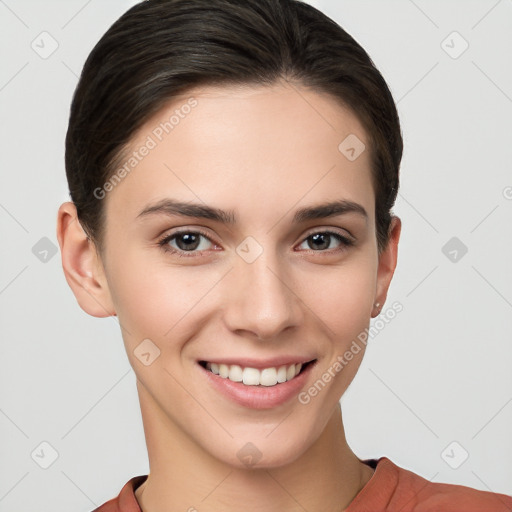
<point x="163" y="242"/>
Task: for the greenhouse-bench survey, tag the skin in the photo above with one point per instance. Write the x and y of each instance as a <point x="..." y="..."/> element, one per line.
<point x="263" y="152"/>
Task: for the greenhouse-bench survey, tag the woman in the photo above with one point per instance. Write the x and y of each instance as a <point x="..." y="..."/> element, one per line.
<point x="233" y="167"/>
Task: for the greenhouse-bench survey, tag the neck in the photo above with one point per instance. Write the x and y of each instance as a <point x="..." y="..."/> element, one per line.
<point x="326" y="477"/>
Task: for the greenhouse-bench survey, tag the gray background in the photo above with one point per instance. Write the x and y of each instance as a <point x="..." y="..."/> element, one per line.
<point x="438" y="373"/>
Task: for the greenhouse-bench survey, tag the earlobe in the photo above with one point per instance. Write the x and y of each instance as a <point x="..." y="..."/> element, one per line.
<point x="387" y="264"/>
<point x="80" y="262"/>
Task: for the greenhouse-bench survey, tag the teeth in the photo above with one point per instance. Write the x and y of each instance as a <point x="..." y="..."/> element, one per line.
<point x="281" y="374"/>
<point x="250" y="376"/>
<point x="253" y="376"/>
<point x="235" y="373"/>
<point x="268" y="377"/>
<point x="223" y="370"/>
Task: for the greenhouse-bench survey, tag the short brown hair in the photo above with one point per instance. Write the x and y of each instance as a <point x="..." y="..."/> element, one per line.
<point x="161" y="48"/>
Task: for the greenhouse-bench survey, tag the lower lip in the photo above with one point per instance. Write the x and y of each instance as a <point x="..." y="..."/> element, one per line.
<point x="258" y="397"/>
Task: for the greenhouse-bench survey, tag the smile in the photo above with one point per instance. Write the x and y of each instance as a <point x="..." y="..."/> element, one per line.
<point x="249" y="376"/>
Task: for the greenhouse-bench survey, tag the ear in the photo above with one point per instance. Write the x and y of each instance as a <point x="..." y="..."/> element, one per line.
<point x="82" y="266"/>
<point x="387" y="264"/>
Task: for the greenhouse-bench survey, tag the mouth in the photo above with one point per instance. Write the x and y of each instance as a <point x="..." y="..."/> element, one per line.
<point x="260" y="377"/>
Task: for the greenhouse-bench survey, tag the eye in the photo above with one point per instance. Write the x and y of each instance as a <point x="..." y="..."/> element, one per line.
<point x="187" y="241"/>
<point x="320" y="240"/>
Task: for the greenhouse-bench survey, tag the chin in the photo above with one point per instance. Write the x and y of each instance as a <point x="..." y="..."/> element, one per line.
<point x="264" y="451"/>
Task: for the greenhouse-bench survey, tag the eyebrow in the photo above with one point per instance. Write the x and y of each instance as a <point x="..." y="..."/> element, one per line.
<point x="171" y="207"/>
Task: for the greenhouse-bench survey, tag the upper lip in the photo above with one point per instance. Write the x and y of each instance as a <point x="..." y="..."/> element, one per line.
<point x="249" y="362"/>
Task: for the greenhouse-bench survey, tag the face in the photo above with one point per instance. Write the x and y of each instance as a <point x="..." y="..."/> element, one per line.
<point x="273" y="282"/>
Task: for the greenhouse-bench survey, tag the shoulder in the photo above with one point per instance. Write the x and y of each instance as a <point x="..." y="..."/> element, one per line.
<point x="126" y="500"/>
<point x="396" y="488"/>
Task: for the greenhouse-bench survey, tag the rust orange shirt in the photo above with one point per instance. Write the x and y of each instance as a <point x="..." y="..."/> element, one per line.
<point x="390" y="489"/>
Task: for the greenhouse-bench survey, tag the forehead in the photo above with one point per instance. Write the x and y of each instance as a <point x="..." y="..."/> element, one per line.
<point x="241" y="145"/>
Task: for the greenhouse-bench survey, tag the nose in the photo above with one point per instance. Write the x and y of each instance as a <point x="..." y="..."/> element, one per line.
<point x="262" y="297"/>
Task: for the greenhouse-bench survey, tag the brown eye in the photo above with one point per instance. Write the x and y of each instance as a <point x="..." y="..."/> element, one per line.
<point x="186" y="242"/>
<point x="321" y="241"/>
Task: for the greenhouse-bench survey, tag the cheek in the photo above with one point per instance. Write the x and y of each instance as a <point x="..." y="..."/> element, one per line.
<point x="154" y="299"/>
<point x="343" y="303"/>
<point x="343" y="298"/>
